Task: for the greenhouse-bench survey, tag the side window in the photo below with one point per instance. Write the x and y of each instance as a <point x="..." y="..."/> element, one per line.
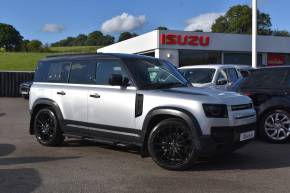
<point x="107" y="67"/>
<point x="232" y="74"/>
<point x="56" y="72"/>
<point x="83" y="72"/>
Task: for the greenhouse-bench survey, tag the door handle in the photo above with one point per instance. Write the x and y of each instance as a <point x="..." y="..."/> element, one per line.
<point x="61" y="92"/>
<point x="96" y="95"/>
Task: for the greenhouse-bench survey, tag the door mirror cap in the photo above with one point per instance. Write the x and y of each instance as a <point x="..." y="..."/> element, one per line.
<point x="222" y="82"/>
<point x="118" y="80"/>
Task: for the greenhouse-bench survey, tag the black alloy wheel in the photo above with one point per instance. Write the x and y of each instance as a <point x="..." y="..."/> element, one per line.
<point x="47" y="129"/>
<point x="171" y="145"/>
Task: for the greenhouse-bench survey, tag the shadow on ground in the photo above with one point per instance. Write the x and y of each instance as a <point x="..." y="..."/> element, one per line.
<point x="259" y="155"/>
<point x="24" y="180"/>
<point x="87" y="143"/>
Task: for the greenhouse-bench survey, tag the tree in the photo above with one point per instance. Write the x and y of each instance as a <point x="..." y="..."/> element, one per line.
<point x="34" y="46"/>
<point x="238" y="19"/>
<point x="10" y="38"/>
<point x="198" y="30"/>
<point x="80" y="40"/>
<point x="126" y="35"/>
<point x="281" y="33"/>
<point x="161" y="28"/>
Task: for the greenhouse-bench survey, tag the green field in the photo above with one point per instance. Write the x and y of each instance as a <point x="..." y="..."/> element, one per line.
<point x="26" y="61"/>
<point x="74" y="49"/>
<point x="20" y="61"/>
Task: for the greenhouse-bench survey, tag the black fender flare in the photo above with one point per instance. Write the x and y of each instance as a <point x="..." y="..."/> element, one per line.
<point x="188" y="117"/>
<point x="46" y="102"/>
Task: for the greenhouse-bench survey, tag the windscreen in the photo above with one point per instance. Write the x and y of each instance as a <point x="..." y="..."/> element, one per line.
<point x="199" y="75"/>
<point x="150" y="73"/>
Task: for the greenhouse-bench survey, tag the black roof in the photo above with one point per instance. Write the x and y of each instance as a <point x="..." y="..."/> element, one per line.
<point x="94" y="56"/>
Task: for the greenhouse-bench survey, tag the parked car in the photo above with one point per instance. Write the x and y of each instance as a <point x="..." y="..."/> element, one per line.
<point x="137" y="100"/>
<point x="270" y="91"/>
<point x="216" y="76"/>
<point x="244" y="70"/>
<point x="24" y="89"/>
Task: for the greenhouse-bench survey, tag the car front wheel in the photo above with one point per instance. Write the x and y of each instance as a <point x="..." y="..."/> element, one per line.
<point x="171" y="145"/>
<point x="275" y="126"/>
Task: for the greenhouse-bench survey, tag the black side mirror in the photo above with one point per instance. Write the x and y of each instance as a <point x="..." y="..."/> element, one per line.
<point x="221" y="82"/>
<point x="118" y="80"/>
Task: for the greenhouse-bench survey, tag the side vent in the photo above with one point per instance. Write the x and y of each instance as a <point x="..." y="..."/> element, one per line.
<point x="139" y="105"/>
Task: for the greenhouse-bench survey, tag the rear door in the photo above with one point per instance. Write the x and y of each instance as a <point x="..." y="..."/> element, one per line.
<point x="74" y="100"/>
<point x="111" y="109"/>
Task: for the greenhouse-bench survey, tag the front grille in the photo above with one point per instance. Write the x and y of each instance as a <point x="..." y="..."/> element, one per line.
<point x="241" y="107"/>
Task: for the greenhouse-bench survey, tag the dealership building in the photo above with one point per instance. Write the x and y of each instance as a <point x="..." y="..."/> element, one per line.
<point x="193" y="48"/>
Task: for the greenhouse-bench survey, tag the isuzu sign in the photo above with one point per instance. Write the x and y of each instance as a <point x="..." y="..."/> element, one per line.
<point x="177" y="39"/>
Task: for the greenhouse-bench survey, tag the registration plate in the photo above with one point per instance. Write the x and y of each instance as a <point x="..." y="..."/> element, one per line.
<point x="247" y="135"/>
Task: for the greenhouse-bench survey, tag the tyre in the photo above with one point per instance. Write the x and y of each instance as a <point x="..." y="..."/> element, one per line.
<point x="171" y="145"/>
<point x="46" y="128"/>
<point x="274" y="126"/>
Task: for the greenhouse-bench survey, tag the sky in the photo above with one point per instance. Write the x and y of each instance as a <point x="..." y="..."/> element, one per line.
<point x="52" y="20"/>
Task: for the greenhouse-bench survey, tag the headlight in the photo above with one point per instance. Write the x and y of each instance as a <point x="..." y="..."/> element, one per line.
<point x="215" y="110"/>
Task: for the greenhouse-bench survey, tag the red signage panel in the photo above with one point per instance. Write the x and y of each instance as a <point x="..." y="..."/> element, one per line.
<point x="177" y="39"/>
<point x="276" y="59"/>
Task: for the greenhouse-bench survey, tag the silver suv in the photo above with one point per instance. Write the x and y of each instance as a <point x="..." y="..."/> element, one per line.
<point x="136" y="100"/>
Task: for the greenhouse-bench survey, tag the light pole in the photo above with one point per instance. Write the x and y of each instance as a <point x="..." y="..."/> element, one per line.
<point x="254" y="33"/>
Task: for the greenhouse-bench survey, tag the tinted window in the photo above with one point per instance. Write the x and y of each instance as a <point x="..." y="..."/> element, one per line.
<point x="105" y="69"/>
<point x="267" y="78"/>
<point x="151" y="73"/>
<point x="199" y="75"/>
<point x="52" y="72"/>
<point x="82" y="72"/>
<point x="232" y="74"/>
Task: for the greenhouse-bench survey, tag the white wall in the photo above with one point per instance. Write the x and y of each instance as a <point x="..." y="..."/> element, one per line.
<point x="234" y="42"/>
<point x="168" y="54"/>
<point x="142" y="43"/>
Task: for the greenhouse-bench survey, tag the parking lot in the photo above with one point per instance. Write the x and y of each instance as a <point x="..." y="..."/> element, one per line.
<point x="79" y="166"/>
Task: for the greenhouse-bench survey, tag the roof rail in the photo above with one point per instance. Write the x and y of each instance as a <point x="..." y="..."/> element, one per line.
<point x="73" y="54"/>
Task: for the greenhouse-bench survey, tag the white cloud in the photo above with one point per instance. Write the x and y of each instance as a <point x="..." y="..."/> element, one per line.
<point x="53" y="28"/>
<point x="203" y="22"/>
<point x="123" y="22"/>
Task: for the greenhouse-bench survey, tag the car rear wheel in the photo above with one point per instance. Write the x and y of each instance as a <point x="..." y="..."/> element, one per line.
<point x="275" y="126"/>
<point x="171" y="145"/>
<point x="46" y="127"/>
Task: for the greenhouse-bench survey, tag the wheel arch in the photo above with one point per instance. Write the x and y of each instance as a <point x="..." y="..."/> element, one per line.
<point x="40" y="104"/>
<point x="161" y="113"/>
<point x="272" y="104"/>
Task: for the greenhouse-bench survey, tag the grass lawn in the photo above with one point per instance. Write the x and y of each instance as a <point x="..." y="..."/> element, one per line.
<point x="75" y="49"/>
<point x="26" y="61"/>
<point x="20" y="61"/>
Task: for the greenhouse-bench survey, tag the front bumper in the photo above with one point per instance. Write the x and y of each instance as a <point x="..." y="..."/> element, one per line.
<point x="223" y="139"/>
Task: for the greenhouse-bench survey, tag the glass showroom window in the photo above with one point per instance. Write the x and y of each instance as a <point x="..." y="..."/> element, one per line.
<point x="194" y="57"/>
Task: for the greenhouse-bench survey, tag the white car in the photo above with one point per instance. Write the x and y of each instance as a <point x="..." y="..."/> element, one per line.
<point x="216" y="76"/>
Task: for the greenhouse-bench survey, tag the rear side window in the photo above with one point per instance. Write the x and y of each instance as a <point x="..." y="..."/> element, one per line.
<point x="106" y="68"/>
<point x="55" y="72"/>
<point x="83" y="72"/>
<point x="267" y="78"/>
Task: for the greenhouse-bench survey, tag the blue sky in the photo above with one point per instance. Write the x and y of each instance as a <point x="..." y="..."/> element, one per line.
<point x="53" y="20"/>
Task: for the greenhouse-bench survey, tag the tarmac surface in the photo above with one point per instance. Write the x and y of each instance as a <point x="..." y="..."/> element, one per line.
<point x="81" y="166"/>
